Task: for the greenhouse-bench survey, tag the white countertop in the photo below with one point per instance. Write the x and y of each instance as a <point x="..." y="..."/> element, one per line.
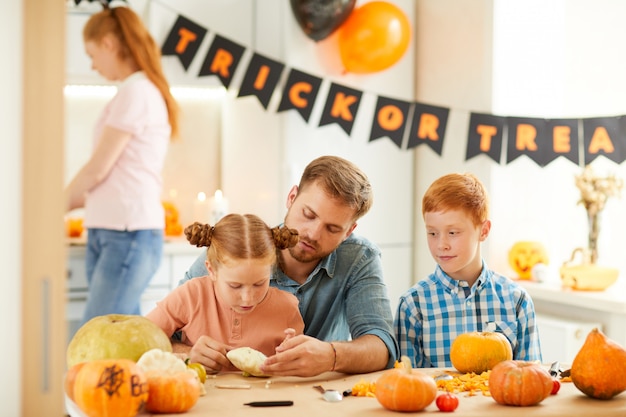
<point x="612" y="300"/>
<point x="172" y="246"/>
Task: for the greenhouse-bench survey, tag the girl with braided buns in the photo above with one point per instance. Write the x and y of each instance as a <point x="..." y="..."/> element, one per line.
<point x="233" y="306"/>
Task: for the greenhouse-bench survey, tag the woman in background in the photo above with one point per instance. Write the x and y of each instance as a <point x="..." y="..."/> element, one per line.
<point x="120" y="187"/>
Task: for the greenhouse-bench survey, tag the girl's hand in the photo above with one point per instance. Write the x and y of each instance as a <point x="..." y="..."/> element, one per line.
<point x="289" y="333"/>
<point x="210" y="353"/>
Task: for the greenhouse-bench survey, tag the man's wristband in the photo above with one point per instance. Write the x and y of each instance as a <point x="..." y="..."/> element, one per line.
<point x="335" y="358"/>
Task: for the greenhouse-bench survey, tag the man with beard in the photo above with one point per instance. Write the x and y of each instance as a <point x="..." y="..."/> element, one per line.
<point x="336" y="276"/>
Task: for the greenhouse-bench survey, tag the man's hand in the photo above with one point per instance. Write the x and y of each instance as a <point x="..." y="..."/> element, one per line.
<point x="300" y="356"/>
<point x="210" y="353"/>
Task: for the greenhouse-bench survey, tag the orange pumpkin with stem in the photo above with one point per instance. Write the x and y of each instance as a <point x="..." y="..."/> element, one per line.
<point x="479" y="351"/>
<point x="110" y="388"/>
<point x="519" y="383"/>
<point x="405" y="389"/>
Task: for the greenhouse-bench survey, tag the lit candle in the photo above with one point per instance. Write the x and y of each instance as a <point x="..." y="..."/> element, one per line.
<point x="201" y="209"/>
<point x="218" y="206"/>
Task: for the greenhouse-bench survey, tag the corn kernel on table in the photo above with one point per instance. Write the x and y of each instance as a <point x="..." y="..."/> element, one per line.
<point x="307" y="401"/>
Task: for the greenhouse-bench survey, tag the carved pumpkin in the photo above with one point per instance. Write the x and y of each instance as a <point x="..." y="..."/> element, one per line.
<point x="110" y="388"/>
<point x="479" y="351"/>
<point x="405" y="389"/>
<point x="172" y="392"/>
<point x="526" y="254"/>
<point x="519" y="383"/>
<point x="599" y="367"/>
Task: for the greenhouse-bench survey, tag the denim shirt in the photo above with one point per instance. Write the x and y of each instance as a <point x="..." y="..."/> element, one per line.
<point x="344" y="297"/>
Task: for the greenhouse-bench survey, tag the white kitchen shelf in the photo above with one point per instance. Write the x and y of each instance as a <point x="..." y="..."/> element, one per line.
<point x="612" y="300"/>
<point x="608" y="307"/>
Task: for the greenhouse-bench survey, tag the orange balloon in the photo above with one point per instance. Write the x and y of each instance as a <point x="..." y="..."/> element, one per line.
<point x="373" y="37"/>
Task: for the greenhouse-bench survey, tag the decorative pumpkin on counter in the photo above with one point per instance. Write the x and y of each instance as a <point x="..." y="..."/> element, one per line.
<point x="524" y="255"/>
<point x="173" y="226"/>
<point x="519" y="383"/>
<point x="405" y="389"/>
<point x="74" y="227"/>
<point x="171" y="392"/>
<point x="110" y="388"/>
<point x="479" y="351"/>
<point x="599" y="368"/>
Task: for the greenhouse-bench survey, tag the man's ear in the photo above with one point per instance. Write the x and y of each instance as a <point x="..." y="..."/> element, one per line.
<point x="291" y="196"/>
<point x="350" y="230"/>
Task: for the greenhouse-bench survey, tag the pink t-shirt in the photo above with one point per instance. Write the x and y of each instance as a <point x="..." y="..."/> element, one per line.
<point x="130" y="197"/>
<point x="196" y="309"/>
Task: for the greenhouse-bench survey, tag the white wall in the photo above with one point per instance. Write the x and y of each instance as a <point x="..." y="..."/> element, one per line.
<point x="566" y="65"/>
<point x="454" y="55"/>
<point x="554" y="59"/>
<point x="11" y="219"/>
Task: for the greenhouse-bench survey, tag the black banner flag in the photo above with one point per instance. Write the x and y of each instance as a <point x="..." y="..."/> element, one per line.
<point x="428" y="126"/>
<point x="563" y="140"/>
<point x="485" y="136"/>
<point x="222" y="59"/>
<point x="184" y="40"/>
<point x="390" y="119"/>
<point x="526" y="136"/>
<point x="261" y="78"/>
<point x="299" y="93"/>
<point x="603" y="136"/>
<point x="342" y="105"/>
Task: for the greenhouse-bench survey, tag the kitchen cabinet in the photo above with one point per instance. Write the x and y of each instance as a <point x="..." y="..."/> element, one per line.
<point x="178" y="256"/>
<point x="32" y="167"/>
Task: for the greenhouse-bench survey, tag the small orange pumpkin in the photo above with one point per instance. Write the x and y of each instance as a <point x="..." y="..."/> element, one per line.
<point x="405" y="389"/>
<point x="519" y="383"/>
<point x="172" y="392"/>
<point x="479" y="351"/>
<point x="110" y="388"/>
<point x="524" y="255"/>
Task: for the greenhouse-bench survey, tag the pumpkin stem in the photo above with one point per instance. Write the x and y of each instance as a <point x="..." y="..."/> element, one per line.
<point x="407" y="364"/>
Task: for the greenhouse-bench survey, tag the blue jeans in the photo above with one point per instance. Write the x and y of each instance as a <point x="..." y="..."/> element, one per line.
<point x="119" y="266"/>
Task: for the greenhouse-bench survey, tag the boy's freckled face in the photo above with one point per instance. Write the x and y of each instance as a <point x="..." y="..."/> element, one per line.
<point x="454" y="243"/>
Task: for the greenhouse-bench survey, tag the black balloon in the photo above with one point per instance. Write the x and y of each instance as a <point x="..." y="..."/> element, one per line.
<point x="320" y="18"/>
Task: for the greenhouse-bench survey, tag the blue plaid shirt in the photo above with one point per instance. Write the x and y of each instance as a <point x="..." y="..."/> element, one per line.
<point x="433" y="312"/>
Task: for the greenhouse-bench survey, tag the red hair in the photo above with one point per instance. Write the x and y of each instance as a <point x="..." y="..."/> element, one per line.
<point x="458" y="192"/>
<point x="137" y="43"/>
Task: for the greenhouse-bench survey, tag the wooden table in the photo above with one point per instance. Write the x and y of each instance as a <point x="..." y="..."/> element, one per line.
<point x="308" y="402"/>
